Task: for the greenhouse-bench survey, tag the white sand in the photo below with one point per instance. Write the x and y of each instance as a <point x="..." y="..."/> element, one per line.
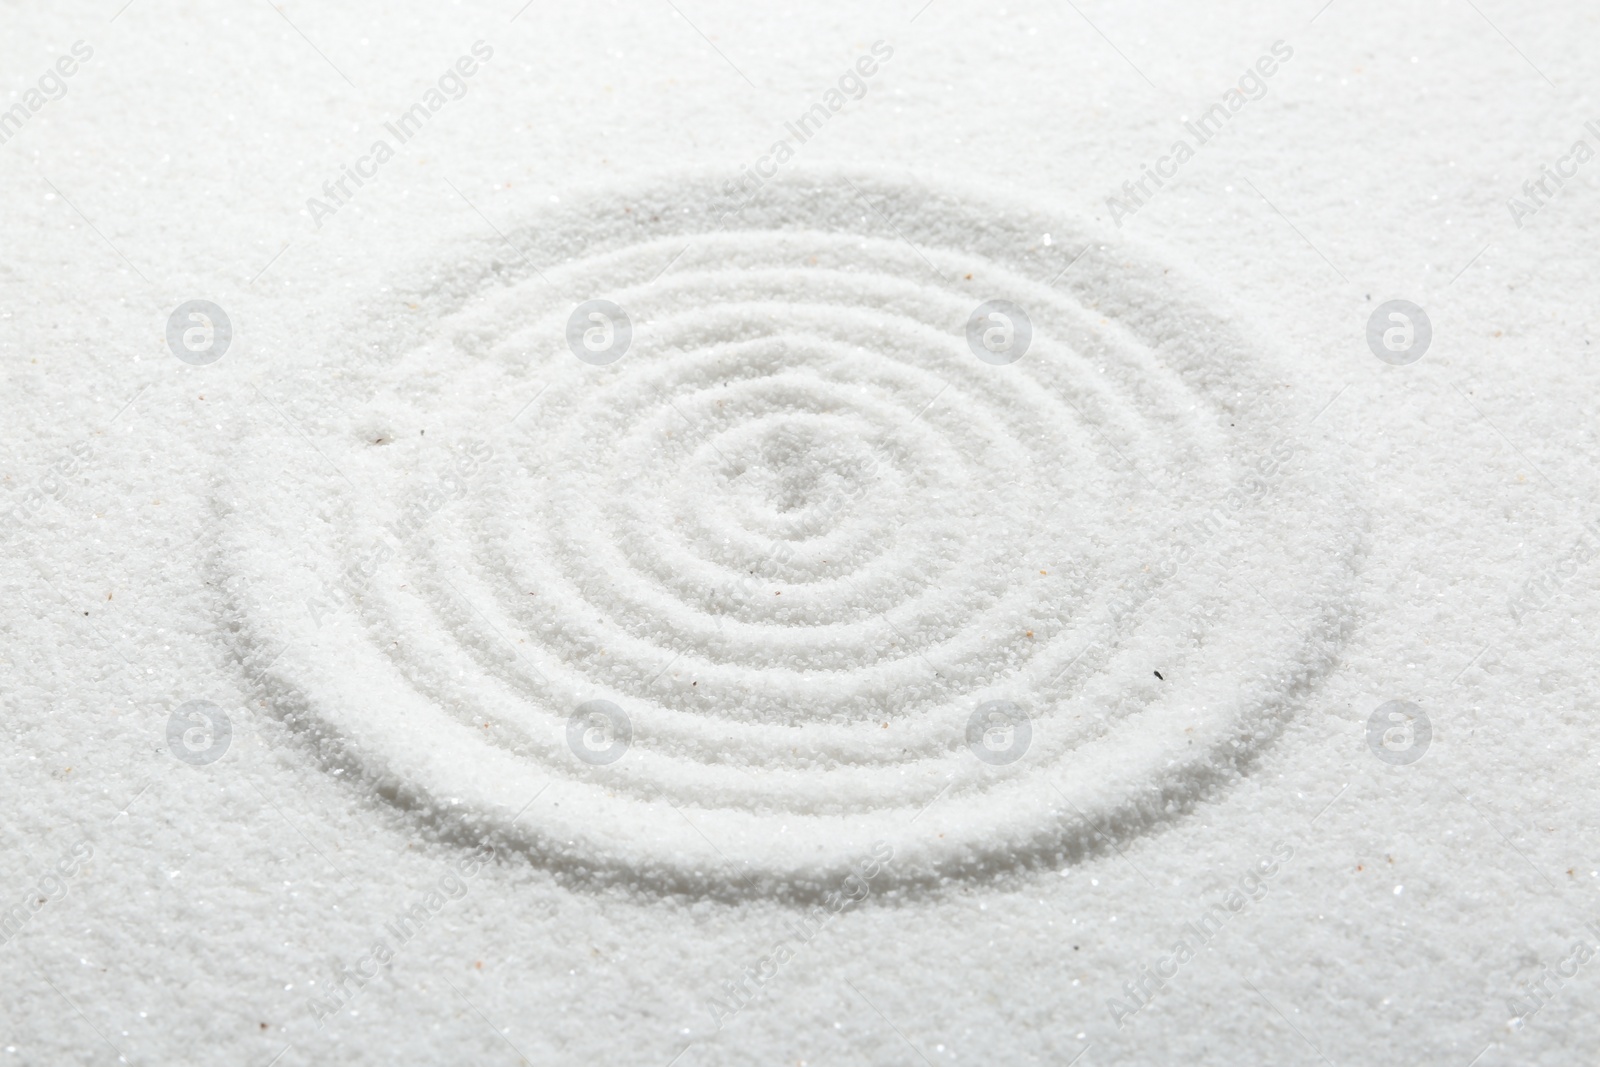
<point x="809" y="682"/>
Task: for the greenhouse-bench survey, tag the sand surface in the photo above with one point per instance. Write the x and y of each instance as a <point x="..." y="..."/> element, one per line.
<point x="694" y="535"/>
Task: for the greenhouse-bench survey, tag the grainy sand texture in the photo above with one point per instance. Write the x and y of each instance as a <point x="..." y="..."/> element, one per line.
<point x="687" y="534"/>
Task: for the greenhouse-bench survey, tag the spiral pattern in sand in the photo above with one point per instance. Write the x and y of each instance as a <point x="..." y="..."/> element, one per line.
<point x="798" y="531"/>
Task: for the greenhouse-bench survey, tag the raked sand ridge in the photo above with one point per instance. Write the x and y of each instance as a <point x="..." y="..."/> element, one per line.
<point x="667" y="534"/>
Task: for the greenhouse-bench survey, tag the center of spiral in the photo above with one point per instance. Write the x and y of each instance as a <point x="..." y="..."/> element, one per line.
<point x="799" y="475"/>
<point x="799" y="568"/>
